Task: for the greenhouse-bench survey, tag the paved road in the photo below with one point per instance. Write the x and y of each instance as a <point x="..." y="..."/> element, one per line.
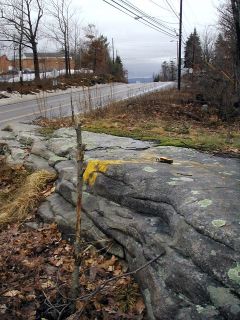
<point x="58" y="104"/>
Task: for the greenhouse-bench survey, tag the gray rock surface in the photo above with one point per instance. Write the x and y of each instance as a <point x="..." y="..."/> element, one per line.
<point x="187" y="213"/>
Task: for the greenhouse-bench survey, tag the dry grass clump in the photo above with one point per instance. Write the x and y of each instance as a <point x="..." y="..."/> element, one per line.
<point x="25" y="198"/>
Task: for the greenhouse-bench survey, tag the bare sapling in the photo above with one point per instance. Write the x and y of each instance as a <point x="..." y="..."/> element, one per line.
<point x="77" y="245"/>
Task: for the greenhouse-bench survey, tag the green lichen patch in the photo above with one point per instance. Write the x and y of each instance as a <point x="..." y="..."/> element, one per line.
<point x="213" y="253"/>
<point x="208" y="311"/>
<point x="227" y="173"/>
<point x="186" y="179"/>
<point x="204" y="203"/>
<point x="150" y="169"/>
<point x="221" y="297"/>
<point x="172" y="183"/>
<point x="234" y="274"/>
<point x="195" y="192"/>
<point x="218" y="223"/>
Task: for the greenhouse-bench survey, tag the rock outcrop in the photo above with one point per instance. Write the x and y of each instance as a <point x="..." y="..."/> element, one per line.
<point x="187" y="214"/>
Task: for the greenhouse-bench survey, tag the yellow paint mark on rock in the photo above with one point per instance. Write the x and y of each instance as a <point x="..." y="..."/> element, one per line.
<point x="96" y="166"/>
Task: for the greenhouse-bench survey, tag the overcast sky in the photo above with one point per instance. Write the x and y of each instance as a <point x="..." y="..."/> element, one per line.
<point x="141" y="48"/>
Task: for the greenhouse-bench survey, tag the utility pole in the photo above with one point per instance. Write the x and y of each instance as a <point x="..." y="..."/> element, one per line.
<point x="180" y="46"/>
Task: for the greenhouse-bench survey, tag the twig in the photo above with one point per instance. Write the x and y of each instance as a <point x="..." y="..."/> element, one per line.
<point x="87" y="297"/>
<point x="48" y="302"/>
<point x="63" y="309"/>
<point x="102" y="286"/>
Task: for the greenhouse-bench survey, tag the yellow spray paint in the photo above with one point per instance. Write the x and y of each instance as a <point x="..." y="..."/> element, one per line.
<point x="98" y="166"/>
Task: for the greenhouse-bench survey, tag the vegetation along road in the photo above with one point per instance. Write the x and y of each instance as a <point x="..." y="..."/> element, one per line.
<point x="84" y="99"/>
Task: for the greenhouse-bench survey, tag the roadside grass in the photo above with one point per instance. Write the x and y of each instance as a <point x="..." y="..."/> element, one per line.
<point x="168" y="118"/>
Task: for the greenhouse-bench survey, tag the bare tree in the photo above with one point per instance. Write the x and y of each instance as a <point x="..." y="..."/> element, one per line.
<point x="208" y="42"/>
<point x="76" y="44"/>
<point x="19" y="23"/>
<point x="229" y="13"/>
<point x="60" y="29"/>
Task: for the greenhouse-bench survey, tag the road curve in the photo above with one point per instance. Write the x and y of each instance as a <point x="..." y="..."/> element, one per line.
<point x="83" y="99"/>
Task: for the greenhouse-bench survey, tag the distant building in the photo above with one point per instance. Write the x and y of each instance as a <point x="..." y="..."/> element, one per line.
<point x="5" y="64"/>
<point x="47" y="61"/>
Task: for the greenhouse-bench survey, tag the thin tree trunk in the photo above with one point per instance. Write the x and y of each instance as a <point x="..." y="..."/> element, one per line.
<point x="69" y="63"/>
<point x="66" y="61"/>
<point x="20" y="64"/>
<point x="35" y="61"/>
<point x="77" y="244"/>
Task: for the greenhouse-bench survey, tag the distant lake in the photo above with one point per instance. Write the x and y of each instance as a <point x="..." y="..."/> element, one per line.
<point x="140" y="80"/>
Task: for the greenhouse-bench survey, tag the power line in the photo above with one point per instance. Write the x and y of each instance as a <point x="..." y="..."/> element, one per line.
<point x="172" y="9"/>
<point x="144" y="16"/>
<point x="134" y="17"/>
<point x="193" y="12"/>
<point x="158" y="5"/>
<point x="141" y="12"/>
<point x="144" y="19"/>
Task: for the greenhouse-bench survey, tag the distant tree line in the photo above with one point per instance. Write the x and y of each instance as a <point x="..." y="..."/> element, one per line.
<point x="168" y="72"/>
<point x="23" y="23"/>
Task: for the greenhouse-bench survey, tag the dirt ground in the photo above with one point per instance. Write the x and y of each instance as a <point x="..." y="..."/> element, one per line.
<point x="36" y="266"/>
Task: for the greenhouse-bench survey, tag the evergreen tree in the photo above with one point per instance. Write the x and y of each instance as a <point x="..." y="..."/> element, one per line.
<point x="95" y="53"/>
<point x="117" y="69"/>
<point x="221" y="52"/>
<point x="156" y="77"/>
<point x="193" y="51"/>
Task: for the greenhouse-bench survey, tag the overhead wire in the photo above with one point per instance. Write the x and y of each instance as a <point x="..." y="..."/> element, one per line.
<point x="156" y="28"/>
<point x="161" y="7"/>
<point x="158" y="5"/>
<point x="133" y="7"/>
<point x="172" y="9"/>
<point x="128" y="8"/>
<point x="193" y="12"/>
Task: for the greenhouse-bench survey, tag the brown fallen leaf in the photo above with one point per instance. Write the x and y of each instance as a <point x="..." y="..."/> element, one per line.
<point x="80" y="305"/>
<point x="48" y="284"/>
<point x="3" y="308"/>
<point x="12" y="293"/>
<point x="30" y="297"/>
<point x="139" y="306"/>
<point x="108" y="263"/>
